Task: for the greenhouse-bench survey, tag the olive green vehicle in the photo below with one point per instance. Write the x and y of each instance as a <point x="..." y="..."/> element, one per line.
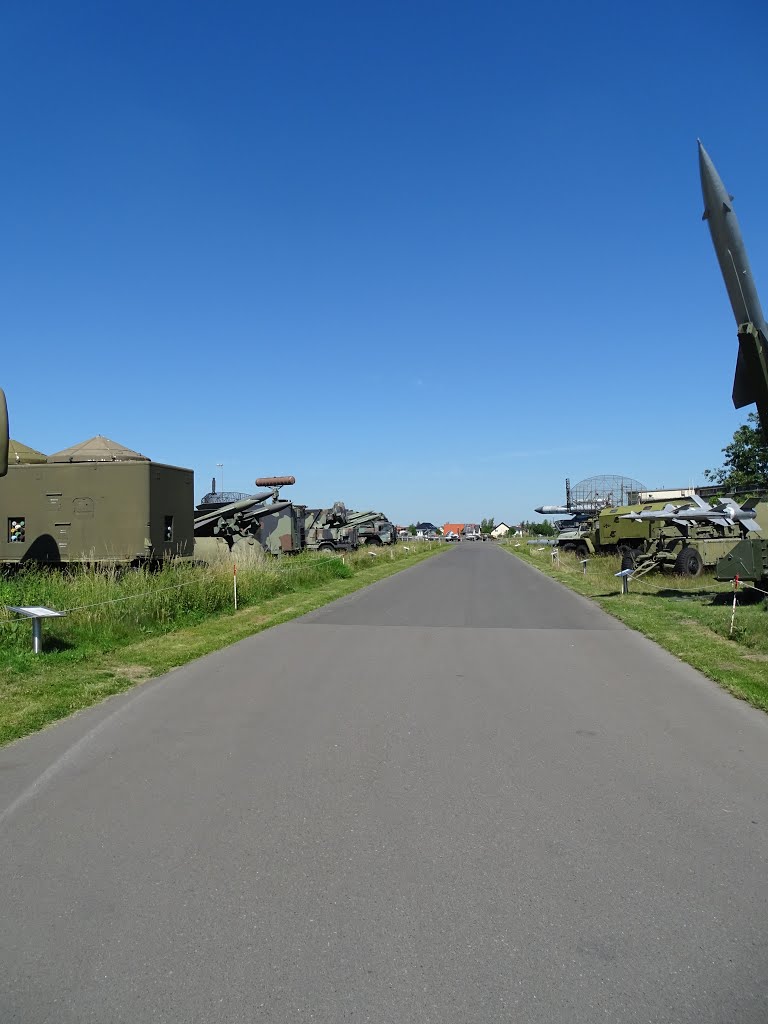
<point x="94" y="502"/>
<point x="695" y="535"/>
<point x="607" y="532"/>
<point x="684" y="538"/>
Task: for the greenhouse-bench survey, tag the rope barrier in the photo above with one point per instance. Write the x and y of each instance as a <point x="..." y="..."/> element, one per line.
<point x="565" y="568"/>
<point x="278" y="569"/>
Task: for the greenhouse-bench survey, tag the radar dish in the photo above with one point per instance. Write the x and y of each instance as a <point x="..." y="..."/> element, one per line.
<point x="604" y="491"/>
<point x="223" y="497"/>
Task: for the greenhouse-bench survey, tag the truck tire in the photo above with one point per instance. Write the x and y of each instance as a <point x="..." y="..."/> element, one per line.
<point x="689" y="562"/>
<point x="374" y="542"/>
<point x="581" y="551"/>
<point x="567" y="547"/>
<point x="326" y="547"/>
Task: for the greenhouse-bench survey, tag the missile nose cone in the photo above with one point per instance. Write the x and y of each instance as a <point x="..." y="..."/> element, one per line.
<point x="712" y="188"/>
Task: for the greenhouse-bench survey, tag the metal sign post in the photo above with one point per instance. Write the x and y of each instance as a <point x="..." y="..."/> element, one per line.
<point x="624" y="574"/>
<point x="37" y="614"/>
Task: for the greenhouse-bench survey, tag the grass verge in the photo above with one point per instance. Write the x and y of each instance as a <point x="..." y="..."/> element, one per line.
<point x="123" y="630"/>
<point x="690" y="618"/>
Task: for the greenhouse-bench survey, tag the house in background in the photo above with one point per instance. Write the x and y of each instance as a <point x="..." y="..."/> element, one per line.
<point x="500" y="530"/>
<point x="453" y="530"/>
<point x="426" y="530"/>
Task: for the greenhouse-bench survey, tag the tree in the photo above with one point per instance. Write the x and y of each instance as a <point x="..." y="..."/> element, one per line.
<point x="412" y="530"/>
<point x="746" y="460"/>
<point x="486" y="525"/>
<point x="543" y="529"/>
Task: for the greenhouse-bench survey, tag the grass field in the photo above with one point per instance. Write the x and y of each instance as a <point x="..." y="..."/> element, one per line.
<point x="691" y="618"/>
<point x="124" y="628"/>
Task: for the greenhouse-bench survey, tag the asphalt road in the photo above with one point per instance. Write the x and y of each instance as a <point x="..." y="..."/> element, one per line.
<point x="461" y="795"/>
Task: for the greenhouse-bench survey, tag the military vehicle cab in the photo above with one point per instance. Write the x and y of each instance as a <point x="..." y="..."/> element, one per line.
<point x="97" y="501"/>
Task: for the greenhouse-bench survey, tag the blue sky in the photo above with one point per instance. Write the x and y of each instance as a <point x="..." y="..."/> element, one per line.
<point x="428" y="257"/>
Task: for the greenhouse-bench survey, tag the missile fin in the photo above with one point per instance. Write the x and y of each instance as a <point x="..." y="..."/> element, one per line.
<point x="743" y="386"/>
<point x="705" y="215"/>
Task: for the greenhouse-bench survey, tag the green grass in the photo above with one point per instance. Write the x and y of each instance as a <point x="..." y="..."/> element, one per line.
<point x="123" y="629"/>
<point x="691" y="618"/>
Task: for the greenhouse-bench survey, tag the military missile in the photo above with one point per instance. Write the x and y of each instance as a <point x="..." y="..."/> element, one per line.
<point x="725" y="513"/>
<point x="750" y="384"/>
<point x="564" y="510"/>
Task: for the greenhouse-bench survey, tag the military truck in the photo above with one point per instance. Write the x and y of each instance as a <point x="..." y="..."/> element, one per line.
<point x="685" y="537"/>
<point x="96" y="502"/>
<point x="606" y="531"/>
<point x="373" y="528"/>
<point x="328" y="529"/>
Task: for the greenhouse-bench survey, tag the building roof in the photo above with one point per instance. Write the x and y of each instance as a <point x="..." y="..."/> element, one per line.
<point x="97" y="449"/>
<point x="22" y="455"/>
<point x="456" y="528"/>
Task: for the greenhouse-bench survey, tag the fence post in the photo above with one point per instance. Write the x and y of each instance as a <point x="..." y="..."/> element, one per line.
<point x="234" y="581"/>
<point x="733" y="612"/>
<point x="624" y="574"/>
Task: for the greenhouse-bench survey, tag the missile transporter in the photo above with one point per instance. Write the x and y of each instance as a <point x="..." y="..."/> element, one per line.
<point x="686" y="537"/>
<point x="606" y="531"/>
<point x="692" y="536"/>
<point x="97" y="502"/>
<point x="251" y="521"/>
<point x="236" y="522"/>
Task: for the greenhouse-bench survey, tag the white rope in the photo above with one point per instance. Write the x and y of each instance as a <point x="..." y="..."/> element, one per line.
<point x="174" y="586"/>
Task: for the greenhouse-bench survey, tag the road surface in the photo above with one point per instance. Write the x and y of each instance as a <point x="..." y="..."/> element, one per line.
<point x="461" y="795"/>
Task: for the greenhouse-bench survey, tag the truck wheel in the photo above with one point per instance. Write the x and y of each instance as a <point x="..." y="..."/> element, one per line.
<point x="374" y="542"/>
<point x="568" y="547"/>
<point x="581" y="551"/>
<point x="689" y="562"/>
<point x="326" y="547"/>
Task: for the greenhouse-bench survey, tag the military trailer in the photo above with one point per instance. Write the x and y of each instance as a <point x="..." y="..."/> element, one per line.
<point x="97" y="502"/>
<point x="748" y="560"/>
<point x="327" y="529"/>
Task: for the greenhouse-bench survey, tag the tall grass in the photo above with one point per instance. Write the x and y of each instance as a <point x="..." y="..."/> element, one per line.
<point x="107" y="606"/>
